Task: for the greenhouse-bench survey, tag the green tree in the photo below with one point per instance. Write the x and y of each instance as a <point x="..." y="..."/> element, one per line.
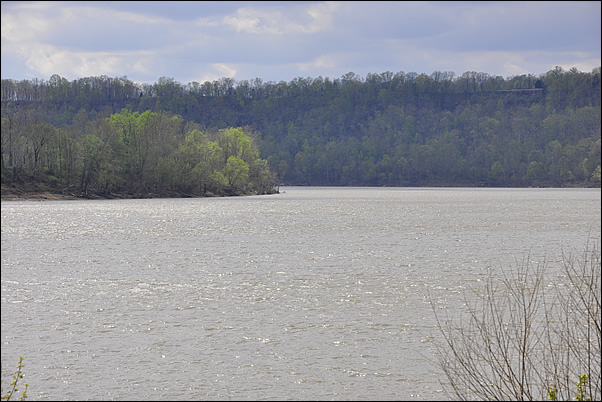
<point x="236" y="172"/>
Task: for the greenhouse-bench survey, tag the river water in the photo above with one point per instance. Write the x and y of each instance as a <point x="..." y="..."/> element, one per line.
<point x="313" y="293"/>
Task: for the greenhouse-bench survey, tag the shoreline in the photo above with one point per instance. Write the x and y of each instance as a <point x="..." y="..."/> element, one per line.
<point x="21" y="194"/>
<point x="45" y="196"/>
<point x="48" y="196"/>
<point x="18" y="194"/>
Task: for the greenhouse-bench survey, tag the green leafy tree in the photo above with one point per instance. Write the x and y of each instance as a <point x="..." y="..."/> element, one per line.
<point x="236" y="172"/>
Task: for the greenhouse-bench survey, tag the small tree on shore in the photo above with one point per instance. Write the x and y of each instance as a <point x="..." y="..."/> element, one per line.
<point x="527" y="335"/>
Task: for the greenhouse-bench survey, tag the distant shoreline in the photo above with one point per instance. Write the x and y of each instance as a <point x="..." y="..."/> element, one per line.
<point x="23" y="194"/>
<point x="45" y="196"/>
<point x="20" y="194"/>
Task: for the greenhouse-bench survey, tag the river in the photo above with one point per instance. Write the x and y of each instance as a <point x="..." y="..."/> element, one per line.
<point x="316" y="293"/>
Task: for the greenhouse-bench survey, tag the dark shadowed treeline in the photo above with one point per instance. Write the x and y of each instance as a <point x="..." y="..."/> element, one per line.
<point x="392" y="129"/>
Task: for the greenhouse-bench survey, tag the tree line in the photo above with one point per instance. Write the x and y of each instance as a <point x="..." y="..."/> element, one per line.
<point x="387" y="129"/>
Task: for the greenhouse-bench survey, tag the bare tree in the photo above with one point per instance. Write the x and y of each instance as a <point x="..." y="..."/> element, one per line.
<point x="528" y="335"/>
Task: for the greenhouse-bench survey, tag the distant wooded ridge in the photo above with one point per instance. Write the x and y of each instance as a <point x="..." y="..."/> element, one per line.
<point x="387" y="129"/>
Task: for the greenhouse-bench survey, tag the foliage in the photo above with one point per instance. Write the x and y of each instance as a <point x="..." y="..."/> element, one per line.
<point x="393" y="129"/>
<point x="581" y="390"/>
<point x="13" y="391"/>
<point x="528" y="336"/>
<point x="136" y="154"/>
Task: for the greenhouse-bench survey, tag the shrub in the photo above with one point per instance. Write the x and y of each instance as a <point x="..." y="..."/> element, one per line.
<point x="526" y="336"/>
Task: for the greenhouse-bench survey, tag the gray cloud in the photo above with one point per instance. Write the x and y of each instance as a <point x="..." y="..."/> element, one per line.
<point x="274" y="41"/>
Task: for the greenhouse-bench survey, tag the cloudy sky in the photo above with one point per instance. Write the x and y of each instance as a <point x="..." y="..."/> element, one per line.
<point x="282" y="40"/>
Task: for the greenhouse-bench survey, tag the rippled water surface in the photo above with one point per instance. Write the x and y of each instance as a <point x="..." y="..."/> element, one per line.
<point x="314" y="293"/>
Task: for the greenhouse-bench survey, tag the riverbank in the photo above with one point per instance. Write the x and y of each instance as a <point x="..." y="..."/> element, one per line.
<point x="33" y="193"/>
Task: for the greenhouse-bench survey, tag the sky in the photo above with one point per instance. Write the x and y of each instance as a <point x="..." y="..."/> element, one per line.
<point x="198" y="41"/>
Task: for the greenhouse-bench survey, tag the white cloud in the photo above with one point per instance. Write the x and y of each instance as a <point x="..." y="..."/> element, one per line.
<point x="48" y="60"/>
<point x="13" y="25"/>
<point x="328" y="62"/>
<point x="321" y="15"/>
<point x="217" y="71"/>
<point x="314" y="18"/>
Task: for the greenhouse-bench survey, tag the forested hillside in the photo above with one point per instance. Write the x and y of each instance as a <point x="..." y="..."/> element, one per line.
<point x="388" y="129"/>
